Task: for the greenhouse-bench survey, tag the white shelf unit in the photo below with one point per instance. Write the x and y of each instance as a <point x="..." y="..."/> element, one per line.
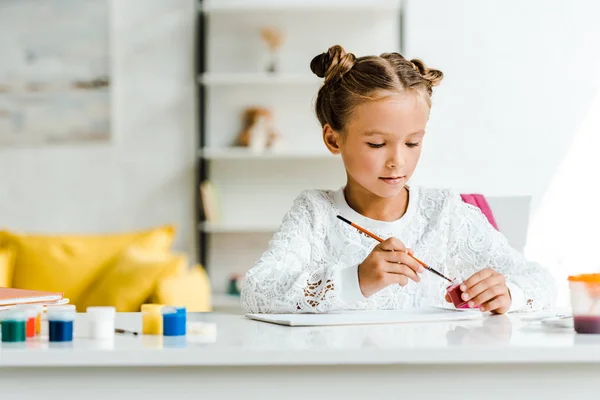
<point x="234" y="6"/>
<point x="255" y="190"/>
<point x="232" y="227"/>
<point x="232" y="79"/>
<point x="226" y="303"/>
<point x="242" y="153"/>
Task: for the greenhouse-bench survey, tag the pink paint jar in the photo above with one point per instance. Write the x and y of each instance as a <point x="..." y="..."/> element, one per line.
<point x="456" y="294"/>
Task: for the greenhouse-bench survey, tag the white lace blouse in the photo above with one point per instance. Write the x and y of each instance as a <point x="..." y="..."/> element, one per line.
<point x="311" y="264"/>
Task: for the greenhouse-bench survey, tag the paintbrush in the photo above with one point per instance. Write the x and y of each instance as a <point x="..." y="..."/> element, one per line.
<point x="125" y="331"/>
<point x="366" y="232"/>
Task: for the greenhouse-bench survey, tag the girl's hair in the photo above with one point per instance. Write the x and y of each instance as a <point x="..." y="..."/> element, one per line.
<point x="350" y="81"/>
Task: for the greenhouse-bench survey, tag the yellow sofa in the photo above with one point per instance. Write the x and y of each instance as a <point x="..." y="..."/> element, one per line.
<point x="123" y="270"/>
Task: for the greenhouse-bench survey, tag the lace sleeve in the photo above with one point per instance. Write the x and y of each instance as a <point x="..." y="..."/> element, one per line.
<point x="287" y="278"/>
<point x="474" y="244"/>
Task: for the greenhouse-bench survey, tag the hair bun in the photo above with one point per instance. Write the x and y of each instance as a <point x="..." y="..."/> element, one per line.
<point x="333" y="64"/>
<point x="433" y="76"/>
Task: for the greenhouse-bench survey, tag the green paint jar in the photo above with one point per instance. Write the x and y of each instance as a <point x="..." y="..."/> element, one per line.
<point x="13" y="326"/>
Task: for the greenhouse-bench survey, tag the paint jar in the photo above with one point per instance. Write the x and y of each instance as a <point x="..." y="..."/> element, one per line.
<point x="39" y="311"/>
<point x="152" y="319"/>
<point x="31" y="313"/>
<point x="13" y="325"/>
<point x="101" y="322"/>
<point x="60" y="323"/>
<point x="585" y="302"/>
<point x="30" y="324"/>
<point x="174" y="321"/>
<point x="456" y="294"/>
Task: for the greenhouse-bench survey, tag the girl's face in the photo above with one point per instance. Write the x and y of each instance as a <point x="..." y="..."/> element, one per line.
<point x="381" y="144"/>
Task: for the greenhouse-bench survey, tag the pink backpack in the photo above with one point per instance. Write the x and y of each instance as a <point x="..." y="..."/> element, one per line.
<point x="478" y="200"/>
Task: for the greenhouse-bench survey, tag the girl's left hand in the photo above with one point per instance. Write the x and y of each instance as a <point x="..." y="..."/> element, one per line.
<point x="487" y="290"/>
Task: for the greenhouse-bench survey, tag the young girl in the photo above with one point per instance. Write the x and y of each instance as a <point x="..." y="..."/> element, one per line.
<point x="374" y="111"/>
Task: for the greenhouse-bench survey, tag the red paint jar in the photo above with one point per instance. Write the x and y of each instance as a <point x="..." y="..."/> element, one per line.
<point x="456" y="294"/>
<point x="31" y="314"/>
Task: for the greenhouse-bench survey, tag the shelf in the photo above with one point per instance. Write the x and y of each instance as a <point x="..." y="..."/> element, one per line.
<point x="224" y="301"/>
<point x="235" y="227"/>
<point x="210" y="6"/>
<point x="242" y="153"/>
<point x="258" y="78"/>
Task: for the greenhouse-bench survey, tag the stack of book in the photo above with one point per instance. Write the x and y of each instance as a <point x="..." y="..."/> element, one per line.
<point x="10" y="297"/>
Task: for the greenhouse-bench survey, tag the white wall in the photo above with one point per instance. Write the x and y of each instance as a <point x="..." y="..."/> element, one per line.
<point x="519" y="79"/>
<point x="145" y="176"/>
<point x="516" y="113"/>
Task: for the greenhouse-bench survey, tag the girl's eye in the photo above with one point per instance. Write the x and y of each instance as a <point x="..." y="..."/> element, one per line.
<point x="376" y="145"/>
<point x="412" y="144"/>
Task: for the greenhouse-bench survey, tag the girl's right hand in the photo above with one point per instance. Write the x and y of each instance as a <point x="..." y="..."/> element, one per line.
<point x="389" y="263"/>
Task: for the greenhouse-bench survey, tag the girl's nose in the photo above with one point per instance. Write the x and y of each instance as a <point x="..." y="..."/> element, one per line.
<point x="396" y="162"/>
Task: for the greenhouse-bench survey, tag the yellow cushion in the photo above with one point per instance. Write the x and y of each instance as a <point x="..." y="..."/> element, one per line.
<point x="190" y="289"/>
<point x="128" y="282"/>
<point x="6" y="266"/>
<point x="69" y="264"/>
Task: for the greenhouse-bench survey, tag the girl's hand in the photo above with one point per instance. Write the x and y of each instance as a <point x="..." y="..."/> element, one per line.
<point x="389" y="263"/>
<point x="487" y="290"/>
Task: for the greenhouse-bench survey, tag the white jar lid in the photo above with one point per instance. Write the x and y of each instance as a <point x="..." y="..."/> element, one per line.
<point x="102" y="312"/>
<point x="30" y="310"/>
<point x="39" y="308"/>
<point x="14" y="315"/>
<point x="61" y="313"/>
<point x="62" y="308"/>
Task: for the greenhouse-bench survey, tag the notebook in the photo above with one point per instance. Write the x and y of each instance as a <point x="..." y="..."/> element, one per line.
<point x="428" y="314"/>
<point x="12" y="296"/>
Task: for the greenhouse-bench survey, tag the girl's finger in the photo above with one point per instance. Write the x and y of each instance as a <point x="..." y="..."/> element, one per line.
<point x="403" y="258"/>
<point x="499" y="305"/>
<point x="487" y="295"/>
<point x="392" y="244"/>
<point x="480" y="287"/>
<point x="400" y="279"/>
<point x="476" y="278"/>
<point x="402" y="269"/>
<point x="448" y="299"/>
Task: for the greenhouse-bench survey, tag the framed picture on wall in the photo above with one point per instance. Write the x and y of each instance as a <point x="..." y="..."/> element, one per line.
<point x="54" y="73"/>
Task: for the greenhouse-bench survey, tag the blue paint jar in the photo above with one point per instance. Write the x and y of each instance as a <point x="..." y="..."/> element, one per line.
<point x="174" y="321"/>
<point x="60" y="323"/>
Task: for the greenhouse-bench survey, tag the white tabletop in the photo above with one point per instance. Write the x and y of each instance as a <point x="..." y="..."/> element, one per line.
<point x="243" y="342"/>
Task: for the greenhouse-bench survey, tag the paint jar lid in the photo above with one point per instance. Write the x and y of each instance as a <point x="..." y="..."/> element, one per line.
<point x="28" y="309"/>
<point x="39" y="308"/>
<point x="61" y="316"/>
<point x="102" y="312"/>
<point x="587" y="278"/>
<point x="152" y="308"/>
<point x="31" y="312"/>
<point x="174" y="310"/>
<point x="61" y="313"/>
<point x="14" y="314"/>
<point x="63" y="308"/>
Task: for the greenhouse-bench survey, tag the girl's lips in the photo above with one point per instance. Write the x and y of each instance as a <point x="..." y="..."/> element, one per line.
<point x="393" y="180"/>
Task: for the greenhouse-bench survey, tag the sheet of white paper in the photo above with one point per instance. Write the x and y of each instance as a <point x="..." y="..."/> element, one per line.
<point x="429" y="314"/>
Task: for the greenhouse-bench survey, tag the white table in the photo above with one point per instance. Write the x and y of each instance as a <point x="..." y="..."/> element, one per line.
<point x="497" y="357"/>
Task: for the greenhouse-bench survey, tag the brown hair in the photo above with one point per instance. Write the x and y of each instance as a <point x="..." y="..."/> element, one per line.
<point x="350" y="81"/>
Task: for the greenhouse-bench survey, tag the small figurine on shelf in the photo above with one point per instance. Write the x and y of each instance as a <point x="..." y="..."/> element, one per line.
<point x="273" y="37"/>
<point x="234" y="285"/>
<point x="257" y="131"/>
